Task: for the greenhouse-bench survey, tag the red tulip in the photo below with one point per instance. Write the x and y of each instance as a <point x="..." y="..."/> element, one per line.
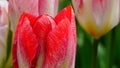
<point x="35" y="7"/>
<point x="44" y="41"/>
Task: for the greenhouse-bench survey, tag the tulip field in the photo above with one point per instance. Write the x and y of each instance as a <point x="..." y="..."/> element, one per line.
<point x="59" y="33"/>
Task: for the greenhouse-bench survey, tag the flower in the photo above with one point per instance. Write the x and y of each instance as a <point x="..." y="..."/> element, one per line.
<point x="35" y="7"/>
<point x="3" y="29"/>
<point x="97" y="17"/>
<point x="44" y="41"/>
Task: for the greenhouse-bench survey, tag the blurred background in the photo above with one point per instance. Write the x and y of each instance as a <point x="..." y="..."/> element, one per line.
<point x="108" y="56"/>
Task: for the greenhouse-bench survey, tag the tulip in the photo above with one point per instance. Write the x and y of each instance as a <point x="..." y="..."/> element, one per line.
<point x="45" y="42"/>
<point x="3" y="29"/>
<point x="35" y="7"/>
<point x="97" y="17"/>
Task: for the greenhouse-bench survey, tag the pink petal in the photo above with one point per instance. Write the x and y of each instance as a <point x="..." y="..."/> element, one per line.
<point x="27" y="41"/>
<point x="3" y="29"/>
<point x="15" y="42"/>
<point x="41" y="28"/>
<point x="61" y="42"/>
<point x="66" y="13"/>
<point x="100" y="9"/>
<point x="17" y="7"/>
<point x="57" y="43"/>
<point x="48" y="7"/>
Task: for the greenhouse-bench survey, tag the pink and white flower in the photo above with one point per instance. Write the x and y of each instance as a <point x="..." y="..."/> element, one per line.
<point x="97" y="17"/>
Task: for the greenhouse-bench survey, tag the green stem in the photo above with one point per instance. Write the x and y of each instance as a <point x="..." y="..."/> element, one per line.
<point x="111" y="49"/>
<point x="94" y="56"/>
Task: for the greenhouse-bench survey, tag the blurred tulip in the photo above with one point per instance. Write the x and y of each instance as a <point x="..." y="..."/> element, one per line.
<point x="3" y="29"/>
<point x="45" y="42"/>
<point x="97" y="17"/>
<point x="35" y="7"/>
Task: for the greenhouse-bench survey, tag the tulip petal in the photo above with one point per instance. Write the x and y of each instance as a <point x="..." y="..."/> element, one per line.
<point x="100" y="9"/>
<point x="48" y="7"/>
<point x="30" y="17"/>
<point x="41" y="28"/>
<point x="27" y="42"/>
<point x="3" y="30"/>
<point x="65" y="13"/>
<point x="57" y="43"/>
<point x="114" y="14"/>
<point x="61" y="41"/>
<point x="68" y="13"/>
<point x="16" y="8"/>
<point x="15" y="42"/>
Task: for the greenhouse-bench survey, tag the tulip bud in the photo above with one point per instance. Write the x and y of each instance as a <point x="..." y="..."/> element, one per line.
<point x="97" y="17"/>
<point x="3" y="29"/>
<point x="44" y="41"/>
<point x="35" y="7"/>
